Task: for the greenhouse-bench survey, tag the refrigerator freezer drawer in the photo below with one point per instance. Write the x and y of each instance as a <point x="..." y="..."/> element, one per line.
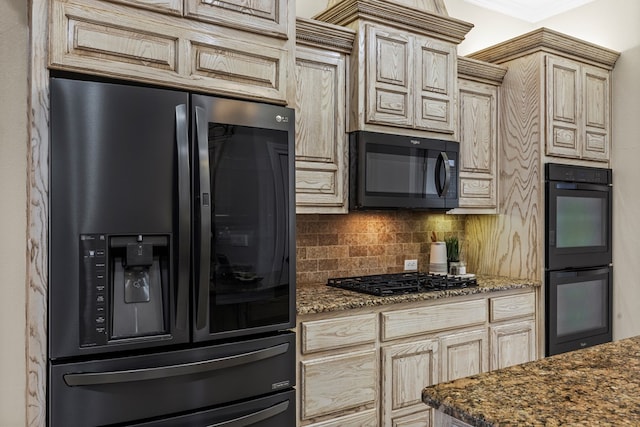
<point x="135" y="389"/>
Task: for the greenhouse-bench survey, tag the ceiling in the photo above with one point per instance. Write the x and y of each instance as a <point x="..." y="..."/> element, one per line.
<point x="530" y="10"/>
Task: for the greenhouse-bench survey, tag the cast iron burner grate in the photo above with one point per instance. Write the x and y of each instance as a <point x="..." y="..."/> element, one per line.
<point x="402" y="283"/>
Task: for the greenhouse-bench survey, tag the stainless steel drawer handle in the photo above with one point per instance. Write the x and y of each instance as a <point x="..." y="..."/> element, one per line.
<point x="132" y="375"/>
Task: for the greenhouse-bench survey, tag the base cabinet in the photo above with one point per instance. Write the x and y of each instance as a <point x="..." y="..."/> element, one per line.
<point x="367" y="367"/>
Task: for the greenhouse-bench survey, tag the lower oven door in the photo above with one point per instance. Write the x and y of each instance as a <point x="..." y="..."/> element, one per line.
<point x="578" y="309"/>
<point x="203" y="386"/>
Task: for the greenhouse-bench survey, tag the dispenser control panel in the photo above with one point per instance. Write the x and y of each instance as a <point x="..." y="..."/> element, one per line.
<point x="93" y="289"/>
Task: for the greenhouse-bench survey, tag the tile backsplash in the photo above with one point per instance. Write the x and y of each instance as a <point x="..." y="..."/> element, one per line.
<point x="364" y="243"/>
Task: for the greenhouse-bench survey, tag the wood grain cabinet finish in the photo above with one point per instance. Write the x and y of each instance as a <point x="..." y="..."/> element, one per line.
<point x="116" y="40"/>
<point x="478" y="93"/>
<point x="406" y="370"/>
<point x="412" y="80"/>
<point x="322" y="156"/>
<point x="172" y="7"/>
<point x="578" y="112"/>
<point x="542" y="112"/>
<point x="403" y="67"/>
<point x="338" y="332"/>
<point x="464" y="354"/>
<point x="512" y="344"/>
<point x="269" y="17"/>
<point x="367" y="367"/>
<point x="333" y="384"/>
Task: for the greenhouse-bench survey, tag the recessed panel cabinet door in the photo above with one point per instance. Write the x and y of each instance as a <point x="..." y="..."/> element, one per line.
<point x="464" y="354"/>
<point x="321" y="138"/>
<point x="436" y="85"/>
<point x="390" y="76"/>
<point x="512" y="344"/>
<point x="267" y="17"/>
<point x="407" y="369"/>
<point x="597" y="110"/>
<point x="478" y="144"/>
<point x="564" y="94"/>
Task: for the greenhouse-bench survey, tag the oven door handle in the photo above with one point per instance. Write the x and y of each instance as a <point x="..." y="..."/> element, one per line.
<point x="204" y="235"/>
<point x="184" y="216"/>
<point x="251" y="419"/>
<point x="443" y="187"/>
<point x="144" y="374"/>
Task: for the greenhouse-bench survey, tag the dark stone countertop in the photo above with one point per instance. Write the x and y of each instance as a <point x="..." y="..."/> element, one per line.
<point x="596" y="386"/>
<point x="320" y="298"/>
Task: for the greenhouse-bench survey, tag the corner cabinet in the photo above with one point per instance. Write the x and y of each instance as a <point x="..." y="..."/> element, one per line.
<point x="226" y="48"/>
<point x="403" y="67"/>
<point x="478" y="94"/>
<point x="368" y="366"/>
<point x="322" y="156"/>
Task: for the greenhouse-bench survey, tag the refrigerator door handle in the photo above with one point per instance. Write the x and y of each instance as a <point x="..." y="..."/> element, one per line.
<point x="255" y="417"/>
<point x="163" y="372"/>
<point x="184" y="217"/>
<point x="204" y="263"/>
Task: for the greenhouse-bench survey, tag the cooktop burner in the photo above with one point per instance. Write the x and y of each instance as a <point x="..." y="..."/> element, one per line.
<point x="402" y="283"/>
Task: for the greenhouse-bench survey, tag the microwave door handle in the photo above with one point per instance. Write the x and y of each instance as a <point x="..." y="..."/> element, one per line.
<point x="255" y="417"/>
<point x="204" y="261"/>
<point x="184" y="216"/>
<point x="442" y="188"/>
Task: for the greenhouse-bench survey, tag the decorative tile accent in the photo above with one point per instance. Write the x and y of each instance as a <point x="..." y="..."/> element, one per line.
<point x="363" y="243"/>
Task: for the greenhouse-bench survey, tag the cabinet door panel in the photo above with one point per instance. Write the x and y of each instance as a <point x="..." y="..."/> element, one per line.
<point x="597" y="113"/>
<point x="407" y="369"/>
<point x="269" y="17"/>
<point x="173" y="7"/>
<point x="436" y="85"/>
<point x="464" y="354"/>
<point x="564" y="94"/>
<point x="512" y="344"/>
<point x="321" y="138"/>
<point x="478" y="134"/>
<point x="335" y="383"/>
<point x="389" y="76"/>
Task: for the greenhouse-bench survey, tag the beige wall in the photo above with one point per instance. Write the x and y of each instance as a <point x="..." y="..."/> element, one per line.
<point x="612" y="24"/>
<point x="13" y="184"/>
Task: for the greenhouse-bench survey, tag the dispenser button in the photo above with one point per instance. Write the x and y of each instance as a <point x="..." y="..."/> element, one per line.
<point x="99" y="319"/>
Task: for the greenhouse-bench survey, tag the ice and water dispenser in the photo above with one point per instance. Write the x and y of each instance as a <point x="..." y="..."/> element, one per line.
<point x="124" y="287"/>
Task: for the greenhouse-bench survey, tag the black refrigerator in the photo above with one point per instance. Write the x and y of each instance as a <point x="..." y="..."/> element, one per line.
<point x="171" y="258"/>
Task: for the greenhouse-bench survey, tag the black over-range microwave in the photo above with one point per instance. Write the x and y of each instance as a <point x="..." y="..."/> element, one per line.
<point x="393" y="171"/>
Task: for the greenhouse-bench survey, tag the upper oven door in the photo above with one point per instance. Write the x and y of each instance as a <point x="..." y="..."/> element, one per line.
<point x="391" y="171"/>
<point x="578" y="231"/>
<point x="244" y="241"/>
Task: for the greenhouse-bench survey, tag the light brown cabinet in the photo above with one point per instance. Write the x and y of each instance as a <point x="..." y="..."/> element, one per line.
<point x="370" y="365"/>
<point x="478" y="94"/>
<point x="322" y="157"/>
<point x="150" y="41"/>
<point x="578" y="114"/>
<point x="403" y="67"/>
<point x="411" y="80"/>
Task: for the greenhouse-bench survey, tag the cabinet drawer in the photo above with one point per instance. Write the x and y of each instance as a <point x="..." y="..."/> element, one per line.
<point x="416" y="321"/>
<point x="332" y="384"/>
<point x="503" y="308"/>
<point x="336" y="333"/>
<point x="361" y="419"/>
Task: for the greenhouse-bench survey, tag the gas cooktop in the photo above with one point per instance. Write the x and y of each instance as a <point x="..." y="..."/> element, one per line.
<point x="402" y="283"/>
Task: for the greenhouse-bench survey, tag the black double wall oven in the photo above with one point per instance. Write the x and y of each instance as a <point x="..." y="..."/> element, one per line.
<point x="171" y="267"/>
<point x="578" y="258"/>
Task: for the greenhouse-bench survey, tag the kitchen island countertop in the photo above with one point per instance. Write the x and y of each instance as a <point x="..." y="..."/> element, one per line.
<point x="596" y="386"/>
<point x="320" y="298"/>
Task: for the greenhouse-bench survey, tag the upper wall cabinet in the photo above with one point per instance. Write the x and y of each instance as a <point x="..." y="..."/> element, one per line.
<point x="223" y="48"/>
<point x="403" y="67"/>
<point x="478" y="93"/>
<point x="575" y="91"/>
<point x="321" y="139"/>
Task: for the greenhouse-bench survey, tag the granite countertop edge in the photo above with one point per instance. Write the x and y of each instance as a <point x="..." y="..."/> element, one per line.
<point x="320" y="298"/>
